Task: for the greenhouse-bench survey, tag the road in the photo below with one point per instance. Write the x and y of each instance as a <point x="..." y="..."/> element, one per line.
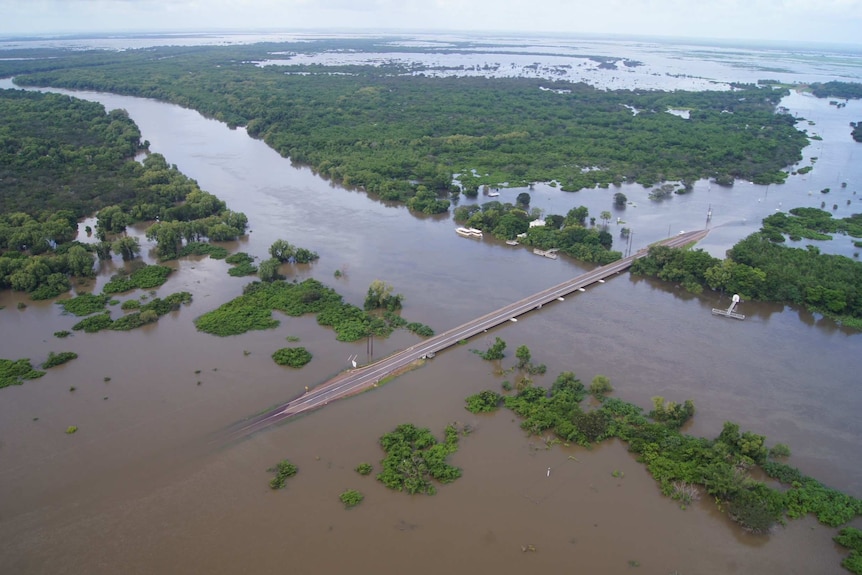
<point x="359" y="379"/>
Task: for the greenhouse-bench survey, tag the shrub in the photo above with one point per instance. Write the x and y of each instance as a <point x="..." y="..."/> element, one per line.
<point x="364" y="469"/>
<point x="130" y="304"/>
<point x="292" y="356"/>
<point x="55" y="359"/>
<point x="779" y="450"/>
<point x="62" y="334"/>
<point x="283" y="470"/>
<point x="351" y="498"/>
<point x="71" y="429"/>
<point x="484" y="402"/>
<point x="600" y="386"/>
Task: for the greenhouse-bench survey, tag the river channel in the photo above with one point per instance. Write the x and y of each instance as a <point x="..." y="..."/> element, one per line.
<point x="147" y="486"/>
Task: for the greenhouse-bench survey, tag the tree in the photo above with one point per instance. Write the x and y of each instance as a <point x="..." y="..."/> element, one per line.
<point x="282" y="250"/>
<point x="495" y="351"/>
<point x="380" y="296"/>
<point x="523" y="199"/>
<point x="600" y="386"/>
<point x="103" y="250"/>
<point x="523" y="355"/>
<point x="80" y="262"/>
<point x="620" y="200"/>
<point x="128" y="247"/>
<point x="267" y="271"/>
<point x="605" y="217"/>
<point x="577" y="216"/>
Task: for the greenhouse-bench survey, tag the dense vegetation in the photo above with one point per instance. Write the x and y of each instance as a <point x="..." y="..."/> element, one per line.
<point x="414" y="457"/>
<point x="683" y="465"/>
<point x="15" y="372"/>
<point x="253" y="311"/>
<point x="857" y="131"/>
<point x="61" y="153"/>
<point x="62" y="158"/>
<point x="283" y="470"/>
<point x="391" y="132"/>
<point x="759" y="267"/>
<point x="292" y="356"/>
<point x="836" y="89"/>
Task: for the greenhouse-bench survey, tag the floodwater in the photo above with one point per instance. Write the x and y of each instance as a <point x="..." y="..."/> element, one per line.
<point x="147" y="484"/>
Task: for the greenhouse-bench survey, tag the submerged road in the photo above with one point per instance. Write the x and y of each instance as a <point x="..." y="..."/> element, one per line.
<point x="362" y="378"/>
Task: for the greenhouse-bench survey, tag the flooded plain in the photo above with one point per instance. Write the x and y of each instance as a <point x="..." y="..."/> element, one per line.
<point x="148" y="485"/>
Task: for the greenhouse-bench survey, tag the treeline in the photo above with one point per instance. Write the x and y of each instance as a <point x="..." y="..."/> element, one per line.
<point x="759" y="267"/>
<point x="835" y="89"/>
<point x="389" y="132"/>
<point x="62" y="158"/>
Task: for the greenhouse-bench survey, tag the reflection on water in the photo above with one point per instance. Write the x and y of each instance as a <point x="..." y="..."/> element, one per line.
<point x="143" y="487"/>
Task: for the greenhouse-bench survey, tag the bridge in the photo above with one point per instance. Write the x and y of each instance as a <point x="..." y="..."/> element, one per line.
<point x="359" y="379"/>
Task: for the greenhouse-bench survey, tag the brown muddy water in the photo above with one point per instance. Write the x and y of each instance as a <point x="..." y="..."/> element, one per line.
<point x="148" y="485"/>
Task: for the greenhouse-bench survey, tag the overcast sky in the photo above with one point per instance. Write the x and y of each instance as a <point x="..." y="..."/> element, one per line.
<point x="833" y="21"/>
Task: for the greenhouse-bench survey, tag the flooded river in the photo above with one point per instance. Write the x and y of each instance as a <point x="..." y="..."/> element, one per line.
<point x="147" y="486"/>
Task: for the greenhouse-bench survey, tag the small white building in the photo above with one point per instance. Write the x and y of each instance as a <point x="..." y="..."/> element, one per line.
<point x="537" y="223"/>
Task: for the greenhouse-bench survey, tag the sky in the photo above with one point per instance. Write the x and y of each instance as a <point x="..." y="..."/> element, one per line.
<point x="787" y="21"/>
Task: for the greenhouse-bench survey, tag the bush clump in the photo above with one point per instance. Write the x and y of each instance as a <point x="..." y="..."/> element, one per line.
<point x="292" y="356"/>
<point x="484" y="402"/>
<point x="364" y="469"/>
<point x="55" y="359"/>
<point x="94" y="323"/>
<point x="351" y="498"/>
<point x="414" y="457"/>
<point x="283" y="470"/>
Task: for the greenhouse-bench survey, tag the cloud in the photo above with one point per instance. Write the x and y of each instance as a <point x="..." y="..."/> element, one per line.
<point x="809" y="20"/>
